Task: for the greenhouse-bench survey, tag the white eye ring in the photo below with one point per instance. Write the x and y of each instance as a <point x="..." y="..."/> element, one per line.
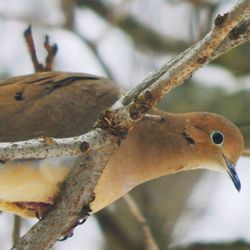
<point x="217" y="138"/>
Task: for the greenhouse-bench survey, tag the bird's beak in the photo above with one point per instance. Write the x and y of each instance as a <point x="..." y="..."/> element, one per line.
<point x="232" y="173"/>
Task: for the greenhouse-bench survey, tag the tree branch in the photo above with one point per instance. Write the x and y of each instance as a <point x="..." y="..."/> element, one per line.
<point x="246" y="152"/>
<point x="150" y="243"/>
<point x="69" y="207"/>
<point x="68" y="8"/>
<point x="51" y="52"/>
<point x="47" y="147"/>
<point x="16" y="228"/>
<point x="237" y="245"/>
<point x="226" y="44"/>
<point x="115" y="123"/>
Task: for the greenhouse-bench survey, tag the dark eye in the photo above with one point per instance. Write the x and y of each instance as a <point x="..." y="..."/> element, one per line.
<point x="217" y="137"/>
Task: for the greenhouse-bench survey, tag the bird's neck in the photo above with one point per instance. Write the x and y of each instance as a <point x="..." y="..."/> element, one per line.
<point x="146" y="154"/>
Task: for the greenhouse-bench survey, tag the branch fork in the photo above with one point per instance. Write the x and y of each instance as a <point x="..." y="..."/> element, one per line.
<point x="102" y="141"/>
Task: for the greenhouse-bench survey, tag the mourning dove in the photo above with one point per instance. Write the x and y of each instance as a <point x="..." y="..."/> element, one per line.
<point x="62" y="104"/>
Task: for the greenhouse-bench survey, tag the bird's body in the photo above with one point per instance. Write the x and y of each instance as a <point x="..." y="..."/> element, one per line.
<point x="62" y="105"/>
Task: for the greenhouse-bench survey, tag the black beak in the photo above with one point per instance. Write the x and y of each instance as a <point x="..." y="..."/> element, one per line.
<point x="232" y="173"/>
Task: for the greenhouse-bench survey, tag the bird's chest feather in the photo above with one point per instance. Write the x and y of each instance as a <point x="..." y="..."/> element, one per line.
<point x="30" y="181"/>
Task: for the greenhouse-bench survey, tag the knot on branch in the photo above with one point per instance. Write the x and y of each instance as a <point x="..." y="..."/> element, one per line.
<point x="84" y="146"/>
<point x="84" y="214"/>
<point x="235" y="33"/>
<point x="48" y="140"/>
<point x="141" y="105"/>
<point x="202" y="60"/>
<point x="220" y="20"/>
<point x="109" y="121"/>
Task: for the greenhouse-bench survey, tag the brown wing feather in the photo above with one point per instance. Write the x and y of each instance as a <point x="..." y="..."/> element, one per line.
<point x="54" y="104"/>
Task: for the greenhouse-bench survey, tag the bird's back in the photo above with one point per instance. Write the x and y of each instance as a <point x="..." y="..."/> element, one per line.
<point x="52" y="104"/>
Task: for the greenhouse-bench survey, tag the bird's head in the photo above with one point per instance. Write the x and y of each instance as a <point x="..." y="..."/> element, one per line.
<point x="218" y="143"/>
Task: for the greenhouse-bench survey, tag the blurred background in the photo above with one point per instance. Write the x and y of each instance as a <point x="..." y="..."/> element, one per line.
<point x="125" y="40"/>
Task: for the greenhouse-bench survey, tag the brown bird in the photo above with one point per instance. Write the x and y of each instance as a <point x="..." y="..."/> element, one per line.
<point x="61" y="104"/>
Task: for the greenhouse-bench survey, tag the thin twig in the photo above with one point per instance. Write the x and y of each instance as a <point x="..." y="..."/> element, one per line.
<point x="16" y="228"/>
<point x="245" y="123"/>
<point x="14" y="150"/>
<point x="246" y="152"/>
<point x="51" y="52"/>
<point x="38" y="67"/>
<point x="94" y="49"/>
<point x="135" y="211"/>
<point x="68" y="8"/>
<point x="78" y="188"/>
<point x="111" y="226"/>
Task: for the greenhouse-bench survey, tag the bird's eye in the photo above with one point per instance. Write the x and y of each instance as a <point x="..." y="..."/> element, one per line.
<point x="217" y="138"/>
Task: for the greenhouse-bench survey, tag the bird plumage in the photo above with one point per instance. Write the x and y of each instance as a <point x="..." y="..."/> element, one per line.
<point x="67" y="104"/>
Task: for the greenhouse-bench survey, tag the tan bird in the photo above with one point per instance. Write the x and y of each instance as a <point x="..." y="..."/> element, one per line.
<point x="67" y="104"/>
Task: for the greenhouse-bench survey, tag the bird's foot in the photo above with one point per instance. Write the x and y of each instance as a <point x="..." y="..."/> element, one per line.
<point x="85" y="213"/>
<point x="39" y="208"/>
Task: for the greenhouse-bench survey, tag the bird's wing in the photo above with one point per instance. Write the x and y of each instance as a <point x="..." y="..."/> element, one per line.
<point x="62" y="104"/>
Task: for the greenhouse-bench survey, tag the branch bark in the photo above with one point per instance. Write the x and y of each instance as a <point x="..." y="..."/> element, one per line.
<point x="16" y="228"/>
<point x="68" y="8"/>
<point x="47" y="147"/>
<point x="237" y="245"/>
<point x="227" y="44"/>
<point x="78" y="188"/>
<point x="150" y="243"/>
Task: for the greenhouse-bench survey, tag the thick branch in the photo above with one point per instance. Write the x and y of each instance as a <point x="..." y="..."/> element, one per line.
<point x="41" y="148"/>
<point x="46" y="147"/>
<point x="65" y="214"/>
<point x="225" y="43"/>
<point x="80" y="184"/>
